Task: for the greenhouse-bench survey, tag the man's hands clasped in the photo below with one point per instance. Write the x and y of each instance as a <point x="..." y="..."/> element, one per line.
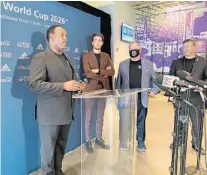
<point x="74" y="86"/>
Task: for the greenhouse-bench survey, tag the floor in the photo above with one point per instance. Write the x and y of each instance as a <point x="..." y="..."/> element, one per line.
<point x="155" y="161"/>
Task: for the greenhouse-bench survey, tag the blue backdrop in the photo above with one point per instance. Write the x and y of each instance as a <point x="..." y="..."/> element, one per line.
<point x="24" y="25"/>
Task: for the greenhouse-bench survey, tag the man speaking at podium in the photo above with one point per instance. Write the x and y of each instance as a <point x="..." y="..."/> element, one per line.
<point x="52" y="77"/>
<point x="197" y="67"/>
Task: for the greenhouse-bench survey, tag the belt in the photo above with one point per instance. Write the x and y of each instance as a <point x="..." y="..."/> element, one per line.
<point x="100" y="86"/>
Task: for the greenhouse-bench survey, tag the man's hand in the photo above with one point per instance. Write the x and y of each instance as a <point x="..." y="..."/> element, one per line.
<point x="82" y="86"/>
<point x="72" y="86"/>
<point x="152" y="94"/>
<point x="95" y="71"/>
<point x="108" y="67"/>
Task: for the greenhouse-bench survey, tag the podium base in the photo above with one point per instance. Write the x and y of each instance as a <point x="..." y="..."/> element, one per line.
<point x="192" y="170"/>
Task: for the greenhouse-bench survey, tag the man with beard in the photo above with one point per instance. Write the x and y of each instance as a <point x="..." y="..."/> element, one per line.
<point x="52" y="77"/>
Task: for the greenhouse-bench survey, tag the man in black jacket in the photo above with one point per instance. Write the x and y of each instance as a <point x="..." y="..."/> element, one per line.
<point x="197" y="67"/>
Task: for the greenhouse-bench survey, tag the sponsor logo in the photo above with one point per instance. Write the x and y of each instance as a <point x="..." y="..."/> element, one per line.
<point x="76" y="50"/>
<point x="204" y="34"/>
<point x="24" y="56"/>
<point x="23" y="44"/>
<point x="76" y="58"/>
<point x="5" y="43"/>
<point x="67" y="49"/>
<point x="5" y="68"/>
<point x="199" y="44"/>
<point x="85" y="51"/>
<point x="23" y="78"/>
<point x="5" y="55"/>
<point x="40" y="47"/>
<point x="24" y="67"/>
<point x="6" y="80"/>
<point x="76" y="66"/>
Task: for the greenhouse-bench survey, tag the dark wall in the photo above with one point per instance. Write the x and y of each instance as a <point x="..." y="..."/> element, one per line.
<point x="105" y="23"/>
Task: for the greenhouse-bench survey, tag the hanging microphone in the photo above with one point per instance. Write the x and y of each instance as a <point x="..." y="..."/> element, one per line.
<point x="186" y="76"/>
<point x="166" y="89"/>
<point x="171" y="81"/>
<point x="172" y="93"/>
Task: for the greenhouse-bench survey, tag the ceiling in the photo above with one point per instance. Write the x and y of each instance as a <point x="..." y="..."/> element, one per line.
<point x="159" y="7"/>
<point x="151" y="16"/>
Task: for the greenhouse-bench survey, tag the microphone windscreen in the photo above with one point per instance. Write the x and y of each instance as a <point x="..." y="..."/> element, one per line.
<point x="164" y="88"/>
<point x="182" y="74"/>
<point x="159" y="79"/>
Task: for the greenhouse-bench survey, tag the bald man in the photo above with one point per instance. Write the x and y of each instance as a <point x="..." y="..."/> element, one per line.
<point x="53" y="78"/>
<point x="135" y="73"/>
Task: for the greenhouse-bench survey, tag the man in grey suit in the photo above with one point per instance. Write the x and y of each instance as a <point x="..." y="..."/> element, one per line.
<point x="135" y="73"/>
<point x="52" y="77"/>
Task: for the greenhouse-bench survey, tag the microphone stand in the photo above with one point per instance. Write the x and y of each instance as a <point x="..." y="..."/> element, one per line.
<point x="175" y="134"/>
<point x="184" y="119"/>
<point x="180" y="121"/>
<point x="197" y="170"/>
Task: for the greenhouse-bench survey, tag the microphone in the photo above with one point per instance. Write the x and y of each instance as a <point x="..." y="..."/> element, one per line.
<point x="186" y="76"/>
<point x="172" y="93"/>
<point x="171" y="81"/>
<point x="166" y="89"/>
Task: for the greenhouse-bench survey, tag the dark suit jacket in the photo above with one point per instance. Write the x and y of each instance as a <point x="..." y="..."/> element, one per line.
<point x="47" y="76"/>
<point x="90" y="62"/>
<point x="199" y="72"/>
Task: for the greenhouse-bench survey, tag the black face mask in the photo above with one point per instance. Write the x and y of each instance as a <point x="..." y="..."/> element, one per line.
<point x="134" y="53"/>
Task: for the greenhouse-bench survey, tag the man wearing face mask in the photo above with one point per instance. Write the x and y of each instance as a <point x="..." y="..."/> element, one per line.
<point x="135" y="73"/>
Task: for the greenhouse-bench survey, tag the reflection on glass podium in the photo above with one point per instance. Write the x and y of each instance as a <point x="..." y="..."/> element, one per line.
<point x="108" y="131"/>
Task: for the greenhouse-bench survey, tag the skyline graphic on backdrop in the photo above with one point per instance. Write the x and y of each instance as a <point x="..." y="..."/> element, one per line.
<point x="161" y="36"/>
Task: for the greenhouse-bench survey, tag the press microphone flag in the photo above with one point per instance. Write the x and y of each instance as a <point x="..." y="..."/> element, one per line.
<point x="171" y="81"/>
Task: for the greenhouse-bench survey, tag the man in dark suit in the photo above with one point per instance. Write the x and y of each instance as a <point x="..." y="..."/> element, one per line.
<point x="52" y="77"/>
<point x="97" y="68"/>
<point x="197" y="67"/>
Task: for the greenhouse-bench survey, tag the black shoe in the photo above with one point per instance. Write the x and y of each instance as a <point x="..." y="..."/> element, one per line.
<point x="196" y="149"/>
<point x="102" y="144"/>
<point x="89" y="147"/>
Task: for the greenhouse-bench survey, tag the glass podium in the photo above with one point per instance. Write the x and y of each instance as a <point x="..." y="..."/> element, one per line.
<point x="108" y="131"/>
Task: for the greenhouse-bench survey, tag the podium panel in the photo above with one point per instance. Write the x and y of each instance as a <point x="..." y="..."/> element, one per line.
<point x="108" y="131"/>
